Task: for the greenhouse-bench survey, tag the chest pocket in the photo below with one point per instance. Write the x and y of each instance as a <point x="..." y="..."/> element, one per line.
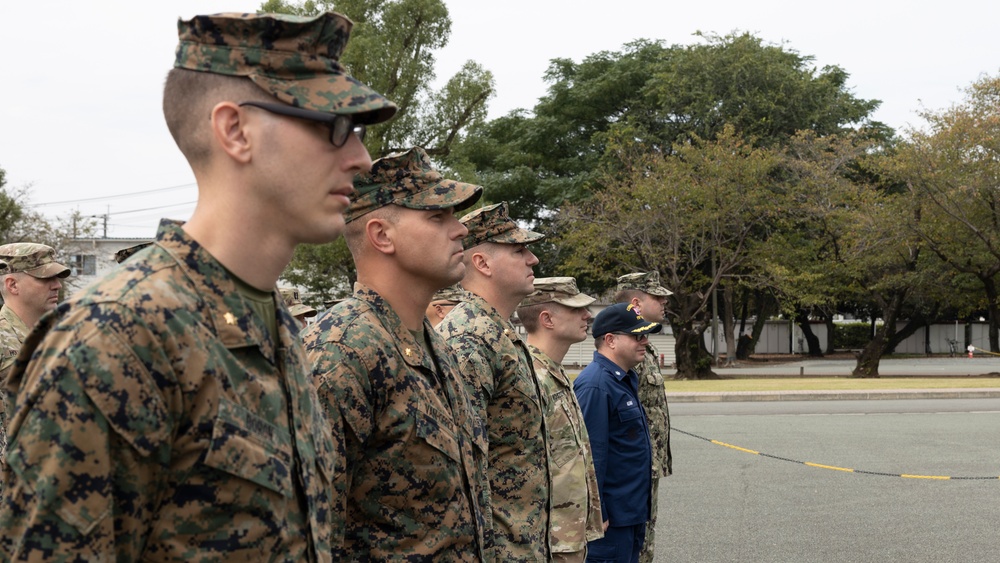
<point x="654" y="378"/>
<point x="249" y="447"/>
<point x="437" y="436"/>
<point x="563" y="445"/>
<point x="629" y="411"/>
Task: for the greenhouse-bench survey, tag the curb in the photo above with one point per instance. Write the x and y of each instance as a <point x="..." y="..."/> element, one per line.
<point x="893" y="394"/>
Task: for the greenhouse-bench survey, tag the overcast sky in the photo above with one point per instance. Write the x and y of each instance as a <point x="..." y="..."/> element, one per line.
<point x="80" y="117"/>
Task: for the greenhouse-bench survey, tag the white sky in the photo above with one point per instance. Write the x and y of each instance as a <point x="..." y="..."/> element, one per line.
<point x="80" y="95"/>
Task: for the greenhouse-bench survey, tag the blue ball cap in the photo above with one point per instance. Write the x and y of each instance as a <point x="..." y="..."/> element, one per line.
<point x="622" y="317"/>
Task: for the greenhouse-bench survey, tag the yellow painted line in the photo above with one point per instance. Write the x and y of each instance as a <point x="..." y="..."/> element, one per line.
<point x="939" y="477"/>
<point x="833" y="467"/>
<point x="735" y="447"/>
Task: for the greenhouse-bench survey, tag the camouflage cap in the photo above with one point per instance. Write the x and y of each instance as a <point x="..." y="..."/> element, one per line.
<point x="295" y="59"/>
<point x="648" y="282"/>
<point x="126" y="253"/>
<point x="295" y="306"/>
<point x="408" y="179"/>
<point x="36" y="260"/>
<point x="454" y="294"/>
<point x="621" y="317"/>
<point x="493" y="224"/>
<point x="560" y="290"/>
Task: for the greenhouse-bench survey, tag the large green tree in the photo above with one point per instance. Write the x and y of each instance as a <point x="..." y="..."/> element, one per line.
<point x="952" y="169"/>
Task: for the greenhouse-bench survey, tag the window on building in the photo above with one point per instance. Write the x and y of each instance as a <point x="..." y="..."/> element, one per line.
<point x="83" y="264"/>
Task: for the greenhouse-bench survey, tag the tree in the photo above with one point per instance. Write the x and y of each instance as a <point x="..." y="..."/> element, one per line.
<point x="953" y="171"/>
<point x="688" y="215"/>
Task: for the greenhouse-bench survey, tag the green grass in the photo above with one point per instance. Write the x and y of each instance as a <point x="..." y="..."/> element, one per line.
<point x="830" y="384"/>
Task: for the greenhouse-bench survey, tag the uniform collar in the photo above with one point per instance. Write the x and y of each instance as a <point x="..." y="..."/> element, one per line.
<point x="413" y="353"/>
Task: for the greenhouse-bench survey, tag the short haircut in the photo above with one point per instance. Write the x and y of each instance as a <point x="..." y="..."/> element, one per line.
<point x="626" y="295"/>
<point x="188" y="99"/>
<point x="529" y="315"/>
<point x="355" y="231"/>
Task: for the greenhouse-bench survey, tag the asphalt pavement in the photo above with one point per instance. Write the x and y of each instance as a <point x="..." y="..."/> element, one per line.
<point x="937" y="367"/>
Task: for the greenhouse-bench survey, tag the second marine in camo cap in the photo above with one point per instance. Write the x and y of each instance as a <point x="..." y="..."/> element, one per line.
<point x="492" y="223"/>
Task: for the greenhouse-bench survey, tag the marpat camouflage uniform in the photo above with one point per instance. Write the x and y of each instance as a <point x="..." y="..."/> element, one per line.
<point x="156" y="421"/>
<point x="496" y="366"/>
<point x="411" y="481"/>
<point x="576" y="502"/>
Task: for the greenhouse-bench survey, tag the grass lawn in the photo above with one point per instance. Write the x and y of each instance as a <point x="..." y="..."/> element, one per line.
<point x="830" y="384"/>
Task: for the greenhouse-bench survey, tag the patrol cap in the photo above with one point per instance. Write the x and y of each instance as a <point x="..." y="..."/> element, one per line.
<point x="126" y="253"/>
<point x="621" y="317"/>
<point x="453" y="294"/>
<point x="561" y="290"/>
<point x="408" y="179"/>
<point x="493" y="224"/>
<point x="36" y="260"/>
<point x="648" y="282"/>
<point x="295" y="306"/>
<point x="294" y="58"/>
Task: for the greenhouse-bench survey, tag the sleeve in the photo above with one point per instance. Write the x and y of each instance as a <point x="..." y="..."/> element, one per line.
<point x="88" y="445"/>
<point x="476" y="369"/>
<point x="345" y="394"/>
<point x="594" y="406"/>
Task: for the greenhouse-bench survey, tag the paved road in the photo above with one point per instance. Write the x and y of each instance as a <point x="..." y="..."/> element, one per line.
<point x="725" y="505"/>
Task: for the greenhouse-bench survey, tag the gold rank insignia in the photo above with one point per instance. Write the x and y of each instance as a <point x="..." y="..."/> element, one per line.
<point x="408" y="352"/>
<point x="230" y="318"/>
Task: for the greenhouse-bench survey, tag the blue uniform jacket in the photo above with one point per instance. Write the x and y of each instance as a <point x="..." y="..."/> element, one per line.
<point x="619" y="438"/>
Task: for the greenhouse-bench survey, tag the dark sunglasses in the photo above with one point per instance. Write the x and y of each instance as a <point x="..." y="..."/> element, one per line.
<point x="637" y="337"/>
<point x="341" y="126"/>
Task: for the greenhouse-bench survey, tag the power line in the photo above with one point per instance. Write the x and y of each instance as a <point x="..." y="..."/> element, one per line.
<point x="152" y="208"/>
<point x="99" y="198"/>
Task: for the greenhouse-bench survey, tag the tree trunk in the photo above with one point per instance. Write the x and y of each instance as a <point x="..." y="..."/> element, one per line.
<point x="993" y="312"/>
<point x="728" y="325"/>
<point x="830" y="328"/>
<point x="870" y="356"/>
<point x="812" y="341"/>
<point x="693" y="362"/>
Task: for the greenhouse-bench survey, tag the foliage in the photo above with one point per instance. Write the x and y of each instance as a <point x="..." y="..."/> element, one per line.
<point x="851" y="335"/>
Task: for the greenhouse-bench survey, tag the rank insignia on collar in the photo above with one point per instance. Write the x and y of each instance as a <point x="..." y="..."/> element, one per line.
<point x="230" y="318"/>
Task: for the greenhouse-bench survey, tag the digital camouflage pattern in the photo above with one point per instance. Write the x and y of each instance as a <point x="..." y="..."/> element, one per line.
<point x="411" y="481"/>
<point x="454" y="294"/>
<point x="295" y="59"/>
<point x="410" y="180"/>
<point x="496" y="367"/>
<point x="291" y="298"/>
<point x="653" y="397"/>
<point x="643" y="281"/>
<point x="576" y="501"/>
<point x="12" y="333"/>
<point x="126" y="253"/>
<point x="492" y="223"/>
<point x="157" y="421"/>
<point x="36" y="260"/>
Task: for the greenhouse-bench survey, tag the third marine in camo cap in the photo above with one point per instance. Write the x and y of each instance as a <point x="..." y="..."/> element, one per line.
<point x="294" y="303"/>
<point x="295" y="59"/>
<point x="561" y="290"/>
<point x="408" y="179"/>
<point x="36" y="260"/>
<point x="493" y="224"/>
<point x="648" y="282"/>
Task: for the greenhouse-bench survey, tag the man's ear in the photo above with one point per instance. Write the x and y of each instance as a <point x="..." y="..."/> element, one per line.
<point x="545" y="318"/>
<point x="379" y="234"/>
<point x="230" y="132"/>
<point x="481" y="262"/>
<point x="10" y="285"/>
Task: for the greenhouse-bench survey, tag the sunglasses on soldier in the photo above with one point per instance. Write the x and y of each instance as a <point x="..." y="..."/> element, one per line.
<point x="341" y="126"/>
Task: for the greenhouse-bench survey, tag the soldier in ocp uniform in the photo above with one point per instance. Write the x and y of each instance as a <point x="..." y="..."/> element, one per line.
<point x="496" y="366"/>
<point x="443" y="302"/>
<point x="643" y="291"/>
<point x="411" y="482"/>
<point x="296" y="307"/>
<point x="30" y="280"/>
<point x="166" y="413"/>
<point x="555" y="316"/>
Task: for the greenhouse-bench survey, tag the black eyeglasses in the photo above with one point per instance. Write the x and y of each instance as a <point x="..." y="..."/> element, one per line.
<point x="341" y="126"/>
<point x="637" y="337"/>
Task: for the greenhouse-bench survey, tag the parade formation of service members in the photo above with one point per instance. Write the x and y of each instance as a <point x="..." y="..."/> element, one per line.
<point x="183" y="408"/>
